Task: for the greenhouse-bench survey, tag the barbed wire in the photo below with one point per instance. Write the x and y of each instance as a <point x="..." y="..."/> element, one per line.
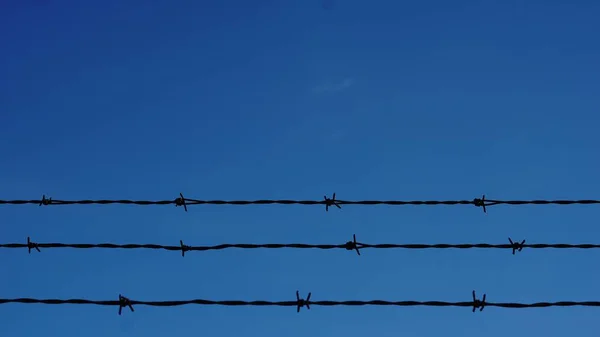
<point x="299" y="303"/>
<point x="328" y="202"/>
<point x="515" y="246"/>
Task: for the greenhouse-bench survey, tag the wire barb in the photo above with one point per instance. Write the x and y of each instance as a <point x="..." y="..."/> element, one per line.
<point x="352" y="245"/>
<point x="124" y="302"/>
<point x="331" y="202"/>
<point x="184" y="248"/>
<point x="45" y="201"/>
<point x="516" y="246"/>
<point x="181" y="202"/>
<point x="480" y="203"/>
<point x="477" y="303"/>
<point x="31" y="245"/>
<point x="302" y="302"/>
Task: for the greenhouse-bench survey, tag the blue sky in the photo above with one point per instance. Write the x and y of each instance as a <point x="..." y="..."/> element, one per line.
<point x="293" y="99"/>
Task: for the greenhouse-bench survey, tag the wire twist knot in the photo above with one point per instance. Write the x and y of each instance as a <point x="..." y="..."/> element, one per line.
<point x="124" y="302"/>
<point x="181" y="202"/>
<point x="302" y="302"/>
<point x="31" y="245"/>
<point x="352" y="245"/>
<point x="478" y="303"/>
<point x="480" y="203"/>
<point x="331" y="202"/>
<point x="184" y="248"/>
<point x="45" y="201"/>
<point x="516" y="246"/>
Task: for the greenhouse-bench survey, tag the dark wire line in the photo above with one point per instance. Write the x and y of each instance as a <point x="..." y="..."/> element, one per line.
<point x="295" y="303"/>
<point x="301" y="302"/>
<point x="328" y="202"/>
<point x="242" y="202"/>
<point x="349" y="245"/>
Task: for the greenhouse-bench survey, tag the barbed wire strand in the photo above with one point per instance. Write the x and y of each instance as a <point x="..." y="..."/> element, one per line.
<point x="300" y="303"/>
<point x="349" y="245"/>
<point x="328" y="202"/>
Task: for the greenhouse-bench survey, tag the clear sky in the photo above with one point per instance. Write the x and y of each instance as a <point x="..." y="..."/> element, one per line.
<point x="293" y="99"/>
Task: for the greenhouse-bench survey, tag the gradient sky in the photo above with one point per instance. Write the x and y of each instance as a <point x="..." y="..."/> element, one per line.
<point x="296" y="99"/>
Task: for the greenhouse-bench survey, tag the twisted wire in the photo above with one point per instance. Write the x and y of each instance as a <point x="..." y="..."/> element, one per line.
<point x="267" y="202"/>
<point x="328" y="202"/>
<point x="349" y="245"/>
<point x="295" y="303"/>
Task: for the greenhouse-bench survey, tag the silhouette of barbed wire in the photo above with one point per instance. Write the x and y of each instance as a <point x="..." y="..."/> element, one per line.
<point x="475" y="303"/>
<point x="348" y="245"/>
<point x="328" y="202"/>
